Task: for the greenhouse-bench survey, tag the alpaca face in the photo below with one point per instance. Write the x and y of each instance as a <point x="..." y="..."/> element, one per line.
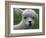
<point x="28" y="17"/>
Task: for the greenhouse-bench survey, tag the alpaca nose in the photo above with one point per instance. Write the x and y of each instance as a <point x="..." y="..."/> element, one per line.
<point x="29" y="21"/>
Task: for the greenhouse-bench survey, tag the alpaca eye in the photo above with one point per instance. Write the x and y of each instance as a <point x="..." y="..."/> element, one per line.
<point x="25" y="17"/>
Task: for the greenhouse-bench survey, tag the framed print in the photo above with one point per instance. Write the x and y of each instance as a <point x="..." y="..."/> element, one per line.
<point x="24" y="19"/>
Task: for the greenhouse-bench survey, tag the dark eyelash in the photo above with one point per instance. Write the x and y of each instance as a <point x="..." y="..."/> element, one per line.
<point x="25" y="17"/>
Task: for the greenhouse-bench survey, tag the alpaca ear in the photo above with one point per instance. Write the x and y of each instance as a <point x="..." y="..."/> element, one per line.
<point x="18" y="10"/>
<point x="37" y="16"/>
<point x="17" y="15"/>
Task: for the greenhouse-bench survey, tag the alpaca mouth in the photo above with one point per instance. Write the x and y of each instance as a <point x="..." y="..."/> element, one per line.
<point x="30" y="24"/>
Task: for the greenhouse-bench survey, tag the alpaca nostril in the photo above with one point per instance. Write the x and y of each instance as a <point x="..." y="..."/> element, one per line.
<point x="29" y="21"/>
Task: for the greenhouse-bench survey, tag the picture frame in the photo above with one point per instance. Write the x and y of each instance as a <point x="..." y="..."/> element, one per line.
<point x="10" y="32"/>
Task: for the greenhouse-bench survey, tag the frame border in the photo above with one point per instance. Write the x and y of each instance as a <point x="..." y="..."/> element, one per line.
<point x="7" y="19"/>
